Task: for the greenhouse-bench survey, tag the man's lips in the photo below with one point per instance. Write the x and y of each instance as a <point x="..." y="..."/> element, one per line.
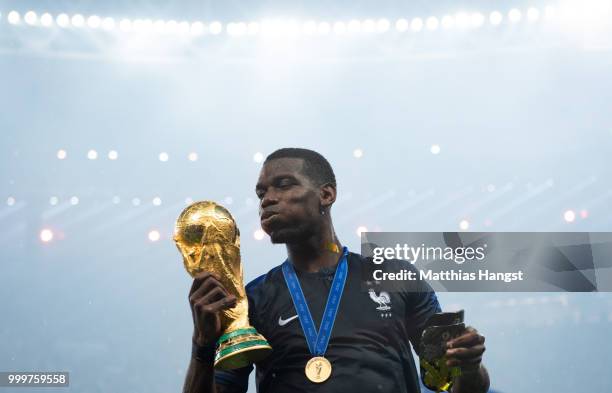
<point x="266" y="217"/>
<point x="267" y="214"/>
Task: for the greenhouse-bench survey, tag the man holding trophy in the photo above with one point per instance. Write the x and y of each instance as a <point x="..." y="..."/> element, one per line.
<point x="307" y="324"/>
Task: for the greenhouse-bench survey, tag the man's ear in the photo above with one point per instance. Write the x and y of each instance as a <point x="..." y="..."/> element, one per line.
<point x="327" y="195"/>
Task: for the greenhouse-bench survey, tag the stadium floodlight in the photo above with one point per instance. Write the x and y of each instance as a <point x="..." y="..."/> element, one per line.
<point x="46" y="19"/>
<point x="30" y="18"/>
<point x="432" y="23"/>
<point x="382" y="25"/>
<point x="402" y="25"/>
<point x="215" y="28"/>
<point x="354" y="26"/>
<point x="448" y="22"/>
<point x="533" y="14"/>
<point x="496" y="18"/>
<point x="77" y="20"/>
<point x="94" y="21"/>
<point x="514" y="15"/>
<point x="13" y="17"/>
<point x="108" y="23"/>
<point x="324" y="28"/>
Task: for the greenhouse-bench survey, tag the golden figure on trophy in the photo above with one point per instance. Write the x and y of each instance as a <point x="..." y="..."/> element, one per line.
<point x="208" y="238"/>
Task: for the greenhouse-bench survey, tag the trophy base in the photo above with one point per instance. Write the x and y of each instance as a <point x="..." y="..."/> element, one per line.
<point x="241" y="348"/>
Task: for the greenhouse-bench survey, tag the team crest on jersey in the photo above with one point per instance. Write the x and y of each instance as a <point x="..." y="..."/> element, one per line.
<point x="383" y="300"/>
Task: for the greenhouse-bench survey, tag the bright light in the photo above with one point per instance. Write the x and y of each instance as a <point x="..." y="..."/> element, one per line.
<point x="46" y="235"/>
<point x="62" y="20"/>
<point x="228" y="200"/>
<point x="435" y="149"/>
<point x="163" y="156"/>
<point x="416" y="24"/>
<point x="10" y="201"/>
<point x="183" y="27"/>
<point x="495" y="18"/>
<point x="215" y="28"/>
<point x="309" y="27"/>
<point x="30" y="18"/>
<point x="291" y="27"/>
<point x="584" y="213"/>
<point x="94" y="21"/>
<point x="463" y="20"/>
<point x="157" y="201"/>
<point x="125" y="25"/>
<point x="514" y="15"/>
<point x="113" y="155"/>
<point x="53" y="200"/>
<point x="323" y="28"/>
<point x="550" y="12"/>
<point x="448" y="22"/>
<point x="77" y="20"/>
<point x="259" y="234"/>
<point x="92" y="154"/>
<point x="369" y="26"/>
<point x="136" y="201"/>
<point x="171" y="26"/>
<point x="360" y="230"/>
<point x="197" y="28"/>
<point x="339" y="28"/>
<point x="402" y="25"/>
<point x="477" y="20"/>
<point x="46" y="19"/>
<point x="74" y="201"/>
<point x="154" y="235"/>
<point x="61" y="154"/>
<point x="237" y="29"/>
<point x="116" y="200"/>
<point x="258" y="157"/>
<point x="464" y="225"/>
<point x="160" y="26"/>
<point x="533" y="14"/>
<point x="354" y="26"/>
<point x="569" y="216"/>
<point x="13" y="17"/>
<point x="108" y="23"/>
<point x="193" y="156"/>
<point x="253" y="28"/>
<point x="382" y="25"/>
<point x="432" y="23"/>
<point x="357" y="153"/>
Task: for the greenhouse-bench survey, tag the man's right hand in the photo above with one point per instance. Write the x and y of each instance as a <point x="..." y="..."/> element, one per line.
<point x="207" y="298"/>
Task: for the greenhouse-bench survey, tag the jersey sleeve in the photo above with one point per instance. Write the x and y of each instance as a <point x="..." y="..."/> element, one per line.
<point x="234" y="381"/>
<point x="422" y="304"/>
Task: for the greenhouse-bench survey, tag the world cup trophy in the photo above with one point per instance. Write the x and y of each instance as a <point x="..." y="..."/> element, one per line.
<point x="208" y="239"/>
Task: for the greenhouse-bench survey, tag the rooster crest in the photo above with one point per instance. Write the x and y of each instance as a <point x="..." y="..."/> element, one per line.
<point x="381" y="299"/>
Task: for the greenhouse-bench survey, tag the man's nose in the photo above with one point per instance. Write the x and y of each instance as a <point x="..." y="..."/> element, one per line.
<point x="270" y="198"/>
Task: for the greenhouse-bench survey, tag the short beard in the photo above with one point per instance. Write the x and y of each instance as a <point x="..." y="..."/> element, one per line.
<point x="293" y="234"/>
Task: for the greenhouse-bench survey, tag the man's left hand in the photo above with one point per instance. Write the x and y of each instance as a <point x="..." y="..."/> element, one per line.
<point x="466" y="351"/>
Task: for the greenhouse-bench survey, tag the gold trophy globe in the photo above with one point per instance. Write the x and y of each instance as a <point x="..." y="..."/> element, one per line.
<point x="208" y="238"/>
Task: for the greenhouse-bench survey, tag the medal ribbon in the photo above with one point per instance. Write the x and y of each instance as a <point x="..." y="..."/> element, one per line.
<point x="317" y="342"/>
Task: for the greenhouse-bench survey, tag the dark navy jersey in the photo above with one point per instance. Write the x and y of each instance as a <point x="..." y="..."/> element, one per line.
<point x="370" y="344"/>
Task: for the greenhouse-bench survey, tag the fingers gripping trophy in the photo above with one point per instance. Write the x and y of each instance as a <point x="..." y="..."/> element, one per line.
<point x="208" y="238"/>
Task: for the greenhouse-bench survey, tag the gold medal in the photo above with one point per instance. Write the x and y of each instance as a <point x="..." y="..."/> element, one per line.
<point x="318" y="369"/>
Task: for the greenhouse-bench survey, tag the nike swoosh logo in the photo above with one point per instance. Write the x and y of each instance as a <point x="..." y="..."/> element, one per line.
<point x="283" y="322"/>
